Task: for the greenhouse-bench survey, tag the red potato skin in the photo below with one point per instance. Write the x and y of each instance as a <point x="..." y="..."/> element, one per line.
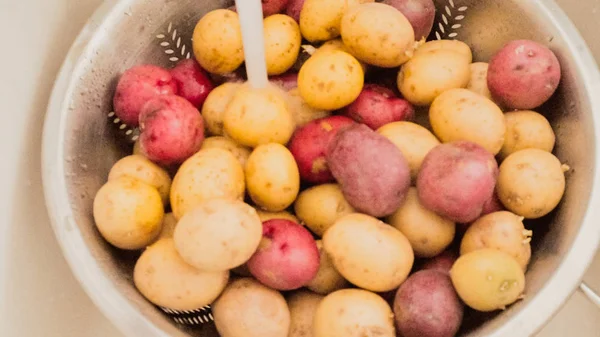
<point x="294" y="8"/>
<point x="442" y="263"/>
<point x="426" y="305"/>
<point x="192" y="81"/>
<point x="286" y="82"/>
<point x="309" y="147"/>
<point x="137" y="86"/>
<point x="373" y="174"/>
<point x="456" y="180"/>
<point x="523" y="75"/>
<point x="490" y="206"/>
<point x="420" y="14"/>
<point x="377" y="106"/>
<point x="287" y="257"/>
<point x="171" y="130"/>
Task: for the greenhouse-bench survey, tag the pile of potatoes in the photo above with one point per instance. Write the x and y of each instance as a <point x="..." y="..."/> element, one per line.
<point x="317" y="206"/>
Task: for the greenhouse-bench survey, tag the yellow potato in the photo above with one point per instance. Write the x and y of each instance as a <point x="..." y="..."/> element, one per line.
<point x="354" y="313"/>
<point x="137" y="149"/>
<point x="272" y="177"/>
<point x="337" y="44"/>
<point x="282" y="43"/>
<point x="218" y="234"/>
<point x="328" y="279"/>
<point x="460" y="114"/>
<point x="303" y="113"/>
<point x="413" y="140"/>
<point x="451" y="45"/>
<point x="303" y="304"/>
<point x="488" y="279"/>
<point x="330" y="81"/>
<point x="426" y="76"/>
<point x="141" y="168"/>
<point x="531" y="183"/>
<point x="210" y="173"/>
<point x="266" y="216"/>
<point x="259" y="116"/>
<point x="320" y="206"/>
<point x="527" y="129"/>
<point x="478" y="81"/>
<point x="215" y="105"/>
<point x="368" y="253"/>
<point x="167" y="281"/>
<point x="378" y="34"/>
<point x="168" y="227"/>
<point x="217" y="41"/>
<point x="320" y="20"/>
<point x="240" y="152"/>
<point x="128" y="213"/>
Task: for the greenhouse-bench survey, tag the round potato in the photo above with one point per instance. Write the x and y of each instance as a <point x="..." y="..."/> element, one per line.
<point x="168" y="227"/>
<point x="478" y="82"/>
<point x="217" y="41"/>
<point x="429" y="74"/>
<point x="240" y="152"/>
<point x="303" y="306"/>
<point x="378" y="34"/>
<point x="266" y="216"/>
<point x="320" y="20"/>
<point x="527" y="129"/>
<point x="460" y="114"/>
<point x="167" y="281"/>
<point x="139" y="167"/>
<point x="282" y="43"/>
<point x="488" y="279"/>
<point x="218" y="234"/>
<point x="531" y="183"/>
<point x="273" y="178"/>
<point x="369" y="253"/>
<point x="303" y="113"/>
<point x="331" y="80"/>
<point x="247" y="308"/>
<point x="450" y="45"/>
<point x="210" y="173"/>
<point x="320" y="206"/>
<point x="328" y="279"/>
<point x="128" y="213"/>
<point x="215" y="105"/>
<point x="354" y="313"/>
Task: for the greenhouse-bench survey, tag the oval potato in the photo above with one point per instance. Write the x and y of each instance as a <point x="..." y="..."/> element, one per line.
<point x="320" y="20"/>
<point x="328" y="279"/>
<point x="303" y="305"/>
<point x="527" y="129"/>
<point x="215" y="105"/>
<point x="141" y="168"/>
<point x="450" y="45"/>
<point x="282" y="43"/>
<point x="320" y="206"/>
<point x="240" y="152"/>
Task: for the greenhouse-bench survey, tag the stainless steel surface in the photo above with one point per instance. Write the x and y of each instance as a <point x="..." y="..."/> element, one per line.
<point x="120" y="34"/>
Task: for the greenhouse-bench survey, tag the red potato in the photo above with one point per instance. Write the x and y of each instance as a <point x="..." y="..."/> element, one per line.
<point x="457" y="179"/>
<point x="137" y="86"/>
<point x="372" y="172"/>
<point x="192" y="81"/>
<point x="377" y="106"/>
<point x="492" y="205"/>
<point x="420" y="14"/>
<point x="286" y="82"/>
<point x="287" y="257"/>
<point x="171" y="130"/>
<point x="442" y="262"/>
<point x="523" y="75"/>
<point x="309" y="146"/>
<point x="294" y="8"/>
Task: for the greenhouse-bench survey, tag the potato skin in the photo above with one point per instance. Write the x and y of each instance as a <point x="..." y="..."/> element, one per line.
<point x="302" y="112"/>
<point x="320" y="206"/>
<point x="294" y="8"/>
<point x="303" y="305"/>
<point x="320" y="20"/>
<point x="478" y="82"/>
<point x="214" y="107"/>
<point x="328" y="279"/>
<point x="527" y="129"/>
<point x="240" y="152"/>
<point x="442" y="263"/>
<point x="420" y="14"/>
<point x="282" y="40"/>
<point x="446" y="45"/>
<point x="266" y="216"/>
<point x="377" y="106"/>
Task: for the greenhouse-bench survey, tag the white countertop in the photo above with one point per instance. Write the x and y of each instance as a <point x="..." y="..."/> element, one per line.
<point x="39" y="296"/>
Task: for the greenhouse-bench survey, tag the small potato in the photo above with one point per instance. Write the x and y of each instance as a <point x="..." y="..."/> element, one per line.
<point x="460" y="114"/>
<point x="378" y="34"/>
<point x="168" y="227"/>
<point x="214" y="107"/>
<point x="303" y="306"/>
<point x="320" y="206"/>
<point x="488" y="279"/>
<point x="368" y="253"/>
<point x="328" y="279"/>
<point x="336" y="44"/>
<point x="266" y="216"/>
<point x="527" y="129"/>
<point x="193" y="82"/>
<point x="271" y="7"/>
<point x="218" y="234"/>
<point x="320" y="20"/>
<point x="420" y="14"/>
<point x="139" y="167"/>
<point x="303" y="113"/>
<point x="428" y="233"/>
<point x="294" y="8"/>
<point x="167" y="281"/>
<point x="128" y="213"/>
<point x="282" y="43"/>
<point x="217" y="41"/>
<point x="331" y="80"/>
<point x="377" y="106"/>
<point x="247" y="308"/>
<point x="478" y="82"/>
<point x="240" y="152"/>
<point x="429" y="74"/>
<point x="272" y="177"/>
<point x="531" y="183"/>
<point x="449" y="45"/>
<point x="499" y="230"/>
<point x="354" y="313"/>
<point x="210" y="173"/>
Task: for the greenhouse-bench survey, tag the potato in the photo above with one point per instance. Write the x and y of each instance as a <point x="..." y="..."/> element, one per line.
<point x="320" y="206"/>
<point x="442" y="262"/>
<point x="499" y="230"/>
<point x="272" y="177"/>
<point x="218" y="234"/>
<point x="192" y="81"/>
<point x="527" y="129"/>
<point x="168" y="227"/>
<point x="429" y="74"/>
<point x="282" y="43"/>
<point x="478" y="81"/>
<point x="294" y="8"/>
<point x="413" y="140"/>
<point x="303" y="113"/>
<point x="210" y="173"/>
<point x="368" y="253"/>
<point x="128" y="213"/>
<point x="137" y="150"/>
<point x="377" y="106"/>
<point x="378" y="34"/>
<point x="217" y="41"/>
<point x="215" y="105"/>
<point x="420" y="14"/>
<point x="240" y="152"/>
<point x="460" y="114"/>
<point x="259" y="116"/>
<point x="320" y="20"/>
<point x="266" y="216"/>
<point x="426" y="305"/>
<point x="303" y="306"/>
<point x="139" y="167"/>
<point x="167" y="281"/>
<point x="353" y="313"/>
<point x="271" y="7"/>
<point x="336" y="44"/>
<point x="247" y="308"/>
<point x="488" y="279"/>
<point x="531" y="183"/>
<point x="287" y="81"/>
<point x="328" y="279"/>
<point x="428" y="233"/>
<point x="446" y="45"/>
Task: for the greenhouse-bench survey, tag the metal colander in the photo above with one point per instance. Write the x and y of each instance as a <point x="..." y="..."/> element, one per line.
<point x="80" y="147"/>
